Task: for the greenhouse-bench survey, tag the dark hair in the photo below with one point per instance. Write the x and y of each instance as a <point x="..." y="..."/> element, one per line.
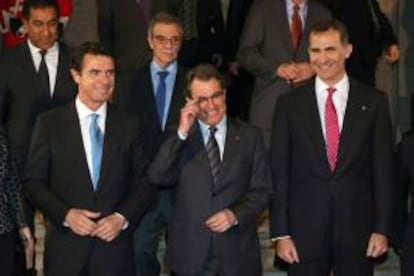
<point x="91" y="48"/>
<point x="331" y="24"/>
<point x="204" y="72"/>
<point x="164" y="18"/>
<point x="28" y="5"/>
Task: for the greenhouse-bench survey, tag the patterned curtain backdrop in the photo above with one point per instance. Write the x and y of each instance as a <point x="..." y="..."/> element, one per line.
<point x="11" y="25"/>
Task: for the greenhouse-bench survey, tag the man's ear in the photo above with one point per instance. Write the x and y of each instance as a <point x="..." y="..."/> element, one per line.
<point x="75" y="75"/>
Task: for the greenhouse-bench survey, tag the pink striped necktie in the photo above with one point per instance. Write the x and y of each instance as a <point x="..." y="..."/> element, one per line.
<point x="332" y="130"/>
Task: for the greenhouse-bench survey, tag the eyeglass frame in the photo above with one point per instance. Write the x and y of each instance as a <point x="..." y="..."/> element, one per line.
<point x="163" y="40"/>
<point x="218" y="95"/>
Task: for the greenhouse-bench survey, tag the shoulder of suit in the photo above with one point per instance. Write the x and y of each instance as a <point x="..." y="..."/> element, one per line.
<point x="243" y="126"/>
<point x="365" y="89"/>
<point x="10" y="55"/>
<point x="124" y="115"/>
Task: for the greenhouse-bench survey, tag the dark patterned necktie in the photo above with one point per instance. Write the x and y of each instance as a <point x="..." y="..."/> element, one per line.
<point x="332" y="130"/>
<point x="296" y="28"/>
<point x="213" y="154"/>
<point x="43" y="74"/>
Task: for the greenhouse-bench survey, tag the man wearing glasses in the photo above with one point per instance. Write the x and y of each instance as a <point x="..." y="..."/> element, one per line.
<point x="222" y="183"/>
<point x="156" y="97"/>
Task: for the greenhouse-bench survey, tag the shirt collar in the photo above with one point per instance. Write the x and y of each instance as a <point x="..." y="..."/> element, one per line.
<point x="303" y="6"/>
<point x="35" y="50"/>
<point x="342" y="86"/>
<point x="221" y="126"/>
<point x="171" y="68"/>
<point x="84" y="111"/>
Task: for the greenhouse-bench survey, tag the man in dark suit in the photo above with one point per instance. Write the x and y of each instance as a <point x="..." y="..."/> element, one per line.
<point x="370" y="33"/>
<point x="85" y="173"/>
<point x="23" y="92"/>
<point x="268" y="51"/>
<point x="403" y="226"/>
<point x="159" y="112"/>
<point x="222" y="182"/>
<point x="122" y="28"/>
<point x="331" y="152"/>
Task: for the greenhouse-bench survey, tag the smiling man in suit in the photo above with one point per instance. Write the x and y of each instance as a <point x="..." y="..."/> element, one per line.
<point x="273" y="48"/>
<point x="157" y="96"/>
<point x="85" y="173"/>
<point x="222" y="181"/>
<point x="331" y="152"/>
<point x="34" y="78"/>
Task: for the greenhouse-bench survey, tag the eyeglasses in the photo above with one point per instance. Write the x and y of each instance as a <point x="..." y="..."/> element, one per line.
<point x="163" y="40"/>
<point x="215" y="98"/>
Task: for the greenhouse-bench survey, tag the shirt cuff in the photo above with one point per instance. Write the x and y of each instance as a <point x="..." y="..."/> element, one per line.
<point x="280" y="238"/>
<point x="126" y="223"/>
<point x="181" y="135"/>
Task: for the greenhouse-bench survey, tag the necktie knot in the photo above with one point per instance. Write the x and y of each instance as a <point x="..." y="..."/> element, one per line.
<point x="94" y="118"/>
<point x="213" y="130"/>
<point x="162" y="75"/>
<point x="296" y="8"/>
<point x="331" y="90"/>
<point x="43" y="53"/>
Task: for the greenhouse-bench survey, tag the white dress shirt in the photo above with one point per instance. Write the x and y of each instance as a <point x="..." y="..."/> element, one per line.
<point x="85" y="120"/>
<point x="339" y="98"/>
<point x="52" y="61"/>
<point x="220" y="134"/>
<point x="303" y="11"/>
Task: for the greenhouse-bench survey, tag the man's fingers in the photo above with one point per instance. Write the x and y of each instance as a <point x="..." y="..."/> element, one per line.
<point x="91" y="214"/>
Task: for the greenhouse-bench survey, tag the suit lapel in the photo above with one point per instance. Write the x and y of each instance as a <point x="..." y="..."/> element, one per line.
<point x="314" y="125"/>
<point x="231" y="148"/>
<point x="61" y="74"/>
<point x="282" y="20"/>
<point x="176" y="100"/>
<point x="112" y="141"/>
<point x="198" y="150"/>
<point x="353" y="107"/>
<point x="150" y="97"/>
<point x="28" y="67"/>
<point x="73" y="134"/>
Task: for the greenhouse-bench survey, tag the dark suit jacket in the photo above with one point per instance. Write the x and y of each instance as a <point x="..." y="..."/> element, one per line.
<point x="141" y="101"/>
<point x="266" y="44"/>
<point x="352" y="202"/>
<point x="21" y="98"/>
<point x="404" y="220"/>
<point x="122" y="29"/>
<point x="57" y="179"/>
<point x="243" y="186"/>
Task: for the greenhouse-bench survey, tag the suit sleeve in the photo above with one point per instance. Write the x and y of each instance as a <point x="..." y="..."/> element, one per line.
<point x="253" y="36"/>
<point x="105" y="23"/>
<point x="386" y="33"/>
<point x="36" y="181"/>
<point x="140" y="195"/>
<point x="383" y="164"/>
<point x="403" y="181"/>
<point x="256" y="199"/>
<point x="165" y="166"/>
<point x="279" y="155"/>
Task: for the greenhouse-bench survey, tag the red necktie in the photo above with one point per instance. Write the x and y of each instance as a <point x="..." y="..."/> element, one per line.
<point x="332" y="130"/>
<point x="296" y="31"/>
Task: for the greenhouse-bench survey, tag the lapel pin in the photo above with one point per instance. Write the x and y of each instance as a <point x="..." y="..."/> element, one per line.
<point x="237" y="138"/>
<point x="364" y="108"/>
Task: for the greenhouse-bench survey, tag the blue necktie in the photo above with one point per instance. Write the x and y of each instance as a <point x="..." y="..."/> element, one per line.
<point x="96" y="137"/>
<point x="160" y="95"/>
